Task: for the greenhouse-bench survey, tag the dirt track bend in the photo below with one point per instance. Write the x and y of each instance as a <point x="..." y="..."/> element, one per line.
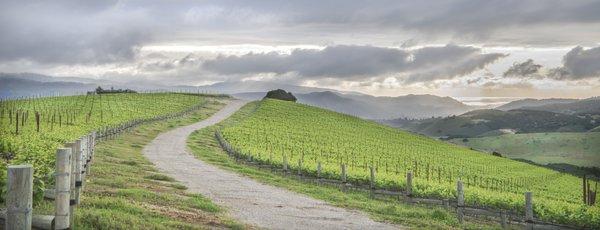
<point x="247" y="200"/>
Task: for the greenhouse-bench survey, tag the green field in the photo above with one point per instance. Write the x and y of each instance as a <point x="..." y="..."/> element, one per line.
<point x="381" y="208"/>
<point x="581" y="149"/>
<point x="32" y="129"/>
<point x="126" y="191"/>
<point x="279" y="131"/>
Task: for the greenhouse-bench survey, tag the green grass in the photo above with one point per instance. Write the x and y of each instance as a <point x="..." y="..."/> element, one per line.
<point x="206" y="148"/>
<point x="125" y="190"/>
<point x="67" y="118"/>
<point x="279" y="130"/>
<point x="580" y="149"/>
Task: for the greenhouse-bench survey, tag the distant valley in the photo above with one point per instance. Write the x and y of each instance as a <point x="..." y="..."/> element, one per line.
<point x="353" y="103"/>
<point x="563" y="134"/>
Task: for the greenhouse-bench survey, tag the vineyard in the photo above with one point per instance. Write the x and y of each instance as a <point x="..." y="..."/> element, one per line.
<point x="32" y="129"/>
<point x="302" y="137"/>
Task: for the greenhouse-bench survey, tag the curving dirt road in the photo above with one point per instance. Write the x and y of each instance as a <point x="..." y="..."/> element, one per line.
<point x="247" y="200"/>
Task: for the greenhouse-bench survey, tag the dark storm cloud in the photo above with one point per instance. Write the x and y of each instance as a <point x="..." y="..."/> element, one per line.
<point x="526" y="69"/>
<point x="475" y="19"/>
<point x="480" y="16"/>
<point x="70" y="31"/>
<point x="578" y="64"/>
<point x="358" y="62"/>
<point x="337" y="61"/>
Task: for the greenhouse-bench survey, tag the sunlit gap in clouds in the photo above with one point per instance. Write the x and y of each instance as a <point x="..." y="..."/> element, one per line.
<point x="236" y="49"/>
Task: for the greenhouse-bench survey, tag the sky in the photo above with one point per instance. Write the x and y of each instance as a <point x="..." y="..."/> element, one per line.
<point x="458" y="48"/>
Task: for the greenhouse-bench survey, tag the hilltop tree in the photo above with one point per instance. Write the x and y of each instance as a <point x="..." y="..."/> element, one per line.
<point x="281" y="94"/>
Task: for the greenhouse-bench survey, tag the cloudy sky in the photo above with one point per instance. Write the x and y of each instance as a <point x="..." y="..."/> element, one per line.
<point x="460" y="48"/>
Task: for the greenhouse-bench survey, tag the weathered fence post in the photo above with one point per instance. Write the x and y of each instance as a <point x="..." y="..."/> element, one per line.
<point x="409" y="184"/>
<point x="319" y="170"/>
<point x="285" y="163"/>
<point x="372" y="177"/>
<point x="63" y="189"/>
<point x="529" y="209"/>
<point x="372" y="181"/>
<point x="460" y="200"/>
<point x="343" y="168"/>
<point x="84" y="153"/>
<point x="78" y="169"/>
<point x="343" y="177"/>
<point x="584" y="190"/>
<point x="503" y="220"/>
<point x="92" y="145"/>
<point x="19" y="197"/>
<point x="72" y="200"/>
<point x="299" y="167"/>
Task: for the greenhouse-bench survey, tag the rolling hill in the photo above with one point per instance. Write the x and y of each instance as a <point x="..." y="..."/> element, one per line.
<point x="496" y="122"/>
<point x="14" y="87"/>
<point x="302" y="137"/>
<point x="529" y="102"/>
<point x="371" y="107"/>
<point x="589" y="106"/>
<point x="579" y="149"/>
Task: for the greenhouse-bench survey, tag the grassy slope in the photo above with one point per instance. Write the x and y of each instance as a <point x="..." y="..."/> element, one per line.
<point x="480" y="122"/>
<point x="71" y="121"/>
<point x="320" y="135"/>
<point x="125" y="191"/>
<point x="581" y="149"/>
<point x="206" y="148"/>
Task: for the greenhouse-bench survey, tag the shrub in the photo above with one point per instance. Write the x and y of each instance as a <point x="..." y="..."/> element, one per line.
<point x="281" y="94"/>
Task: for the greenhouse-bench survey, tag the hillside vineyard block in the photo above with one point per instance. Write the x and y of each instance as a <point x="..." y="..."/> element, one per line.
<point x="346" y="148"/>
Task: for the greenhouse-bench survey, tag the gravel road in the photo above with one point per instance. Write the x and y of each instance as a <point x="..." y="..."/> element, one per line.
<point x="247" y="200"/>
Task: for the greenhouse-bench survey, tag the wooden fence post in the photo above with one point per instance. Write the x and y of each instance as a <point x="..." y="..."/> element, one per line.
<point x="584" y="190"/>
<point x="372" y="182"/>
<point x="299" y="167"/>
<point x="372" y="177"/>
<point x="78" y="169"/>
<point x="84" y="153"/>
<point x="589" y="193"/>
<point x="19" y="197"/>
<point x="63" y="189"/>
<point x="285" y="163"/>
<point x="529" y="209"/>
<point x="72" y="200"/>
<point x="91" y="145"/>
<point x="343" y="177"/>
<point x="319" y="170"/>
<point x="343" y="168"/>
<point x="460" y="200"/>
<point x="503" y="220"/>
<point x="409" y="183"/>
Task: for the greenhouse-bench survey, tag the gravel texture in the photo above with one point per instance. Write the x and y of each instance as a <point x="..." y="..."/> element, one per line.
<point x="247" y="200"/>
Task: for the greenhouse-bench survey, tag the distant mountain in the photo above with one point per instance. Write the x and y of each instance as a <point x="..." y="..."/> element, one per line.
<point x="353" y="103"/>
<point x="11" y="87"/>
<point x="46" y="78"/>
<point x="492" y="122"/>
<point x="412" y="106"/>
<point x="340" y="103"/>
<point x="529" y="102"/>
<point x="371" y="107"/>
<point x="30" y="84"/>
<point x="589" y="106"/>
<point x="237" y="87"/>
